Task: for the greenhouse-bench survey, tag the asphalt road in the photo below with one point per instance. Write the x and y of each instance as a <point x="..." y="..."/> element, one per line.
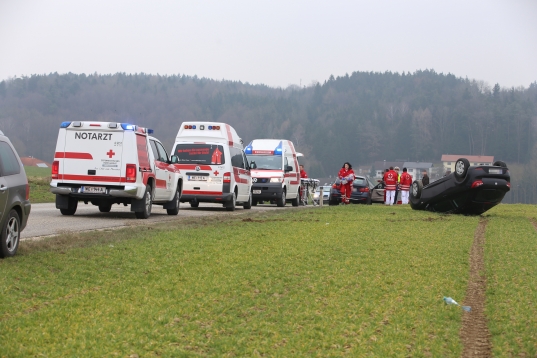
<point x="46" y="220"/>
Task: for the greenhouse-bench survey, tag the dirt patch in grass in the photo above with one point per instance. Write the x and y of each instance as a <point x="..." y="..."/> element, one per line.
<point x="474" y="332"/>
<point x="534" y="222"/>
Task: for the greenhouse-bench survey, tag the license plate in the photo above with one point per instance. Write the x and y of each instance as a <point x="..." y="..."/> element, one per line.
<point x="197" y="178"/>
<point x="495" y="171"/>
<point x="94" y="189"/>
<point x="257" y="191"/>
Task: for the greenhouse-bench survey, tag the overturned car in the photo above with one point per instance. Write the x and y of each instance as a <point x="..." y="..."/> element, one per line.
<point x="469" y="190"/>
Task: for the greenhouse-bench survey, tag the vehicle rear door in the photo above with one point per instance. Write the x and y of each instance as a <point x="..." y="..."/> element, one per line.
<point x="163" y="176"/>
<point x="92" y="154"/>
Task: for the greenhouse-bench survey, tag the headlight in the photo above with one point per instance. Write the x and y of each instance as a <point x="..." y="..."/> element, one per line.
<point x="275" y="180"/>
<point x="316" y="196"/>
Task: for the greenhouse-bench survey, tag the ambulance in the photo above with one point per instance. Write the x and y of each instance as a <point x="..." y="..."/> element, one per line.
<point x="212" y="161"/>
<point x="106" y="163"/>
<point x="275" y="171"/>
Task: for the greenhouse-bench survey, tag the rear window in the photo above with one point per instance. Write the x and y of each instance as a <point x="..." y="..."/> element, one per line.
<point x="359" y="181"/>
<point x="200" y="153"/>
<point x="9" y="165"/>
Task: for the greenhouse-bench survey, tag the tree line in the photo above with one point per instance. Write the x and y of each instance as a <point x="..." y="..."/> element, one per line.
<point x="361" y="118"/>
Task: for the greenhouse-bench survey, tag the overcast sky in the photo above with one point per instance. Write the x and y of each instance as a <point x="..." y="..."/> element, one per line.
<point x="272" y="42"/>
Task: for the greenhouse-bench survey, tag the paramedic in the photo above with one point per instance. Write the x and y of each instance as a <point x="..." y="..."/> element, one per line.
<point x="346" y="175"/>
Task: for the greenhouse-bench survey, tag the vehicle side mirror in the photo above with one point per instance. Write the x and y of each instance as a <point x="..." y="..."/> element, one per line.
<point x="288" y="168"/>
<point x="253" y="165"/>
<point x="174" y="159"/>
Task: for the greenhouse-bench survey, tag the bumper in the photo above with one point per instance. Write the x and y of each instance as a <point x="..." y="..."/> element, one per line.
<point x="223" y="198"/>
<point x="26" y="208"/>
<point x="127" y="191"/>
<point x="266" y="191"/>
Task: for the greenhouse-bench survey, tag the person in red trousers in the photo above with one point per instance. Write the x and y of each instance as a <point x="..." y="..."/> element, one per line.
<point x="346" y="175"/>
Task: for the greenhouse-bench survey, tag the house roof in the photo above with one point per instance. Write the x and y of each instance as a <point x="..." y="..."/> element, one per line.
<point x="418" y="165"/>
<point x="34" y="162"/>
<point x="471" y="158"/>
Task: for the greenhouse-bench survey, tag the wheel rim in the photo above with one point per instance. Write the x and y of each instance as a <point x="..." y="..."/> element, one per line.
<point x="12" y="232"/>
<point x="459" y="168"/>
<point x="177" y="199"/>
<point x="148" y="203"/>
<point x="415" y="189"/>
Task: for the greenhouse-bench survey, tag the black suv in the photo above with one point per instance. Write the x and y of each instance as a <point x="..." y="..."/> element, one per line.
<point x="14" y="198"/>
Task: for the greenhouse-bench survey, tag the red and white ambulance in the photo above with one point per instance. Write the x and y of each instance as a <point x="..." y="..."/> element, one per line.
<point x="211" y="158"/>
<point x="275" y="171"/>
<point x="105" y="163"/>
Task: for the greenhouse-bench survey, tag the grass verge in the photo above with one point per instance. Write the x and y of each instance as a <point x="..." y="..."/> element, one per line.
<point x="39" y="180"/>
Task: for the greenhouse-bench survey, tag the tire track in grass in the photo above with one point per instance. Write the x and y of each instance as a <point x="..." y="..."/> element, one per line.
<point x="474" y="332"/>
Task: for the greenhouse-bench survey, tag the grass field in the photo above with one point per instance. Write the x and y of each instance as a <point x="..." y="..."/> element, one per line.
<point x="355" y="280"/>
<point x="39" y="180"/>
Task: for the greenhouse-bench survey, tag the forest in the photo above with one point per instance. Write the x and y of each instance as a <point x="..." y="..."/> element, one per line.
<point x="361" y="118"/>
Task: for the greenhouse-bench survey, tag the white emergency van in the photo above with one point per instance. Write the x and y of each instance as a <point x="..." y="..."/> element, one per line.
<point x="211" y="158"/>
<point x="275" y="171"/>
<point x="105" y="163"/>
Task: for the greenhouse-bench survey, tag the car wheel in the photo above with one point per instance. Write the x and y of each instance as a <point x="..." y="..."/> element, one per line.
<point x="461" y="168"/>
<point x="105" y="208"/>
<point x="71" y="207"/>
<point x="148" y="203"/>
<point x="296" y="200"/>
<point x="248" y="205"/>
<point x="194" y="203"/>
<point x="281" y="200"/>
<point x="369" y="201"/>
<point x="415" y="190"/>
<point x="499" y="163"/>
<point x="233" y="203"/>
<point x="176" y="198"/>
<point x="10" y="236"/>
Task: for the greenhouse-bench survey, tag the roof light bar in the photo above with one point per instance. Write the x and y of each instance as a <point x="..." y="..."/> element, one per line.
<point x="65" y="124"/>
<point x="128" y="127"/>
<point x="77" y="124"/>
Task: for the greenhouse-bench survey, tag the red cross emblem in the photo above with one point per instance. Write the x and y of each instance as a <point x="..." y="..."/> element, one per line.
<point x="110" y="154"/>
<point x="216" y="173"/>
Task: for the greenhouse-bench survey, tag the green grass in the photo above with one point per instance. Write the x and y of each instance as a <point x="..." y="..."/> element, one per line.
<point x="355" y="280"/>
<point x="39" y="180"/>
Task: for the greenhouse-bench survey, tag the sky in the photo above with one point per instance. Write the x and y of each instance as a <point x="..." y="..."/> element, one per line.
<point x="271" y="42"/>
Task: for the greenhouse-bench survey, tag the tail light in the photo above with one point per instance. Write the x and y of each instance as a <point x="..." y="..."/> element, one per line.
<point x="27" y="191"/>
<point x="55" y="169"/>
<point x="130" y="176"/>
<point x="509" y="185"/>
<point x="364" y="190"/>
<point x="477" y="183"/>
<point x="227" y="177"/>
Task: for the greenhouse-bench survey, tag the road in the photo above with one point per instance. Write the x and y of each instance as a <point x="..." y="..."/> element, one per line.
<point x="46" y="220"/>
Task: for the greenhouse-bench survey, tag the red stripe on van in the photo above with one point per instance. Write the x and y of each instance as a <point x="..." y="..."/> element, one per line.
<point x="73" y="155"/>
<point x="143" y="156"/>
<point x="91" y="178"/>
<point x="161" y="183"/>
<point x="198" y="192"/>
<point x="229" y="136"/>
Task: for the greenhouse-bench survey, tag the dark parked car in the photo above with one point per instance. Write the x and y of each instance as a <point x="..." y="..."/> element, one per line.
<point x="14" y="198"/>
<point x="360" y="194"/>
<point x="469" y="190"/>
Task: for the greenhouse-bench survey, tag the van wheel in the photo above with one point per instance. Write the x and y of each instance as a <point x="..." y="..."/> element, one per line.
<point x="176" y="198"/>
<point x="10" y="236"/>
<point x="248" y="205"/>
<point x="194" y="203"/>
<point x="296" y="200"/>
<point x="71" y="207"/>
<point x="105" y="208"/>
<point x="233" y="203"/>
<point x="148" y="203"/>
<point x="281" y="200"/>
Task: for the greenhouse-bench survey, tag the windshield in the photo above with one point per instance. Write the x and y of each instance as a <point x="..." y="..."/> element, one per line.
<point x="265" y="162"/>
<point x="200" y="153"/>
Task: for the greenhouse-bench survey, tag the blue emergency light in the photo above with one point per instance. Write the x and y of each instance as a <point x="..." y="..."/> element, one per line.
<point x="279" y="149"/>
<point x="150" y="131"/>
<point x="65" y="124"/>
<point x="127" y="126"/>
<point x="248" y="149"/>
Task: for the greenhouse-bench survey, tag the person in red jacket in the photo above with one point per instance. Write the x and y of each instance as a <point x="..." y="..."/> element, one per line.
<point x="405" y="183"/>
<point x="303" y="174"/>
<point x="346" y="175"/>
<point x="390" y="182"/>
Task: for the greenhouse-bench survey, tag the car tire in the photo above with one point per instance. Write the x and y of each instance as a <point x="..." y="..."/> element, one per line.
<point x="10" y="235"/>
<point x="233" y="203"/>
<point x="71" y="207"/>
<point x="176" y="198"/>
<point x="280" y="202"/>
<point x="369" y="201"/>
<point x="194" y="203"/>
<point x="296" y="201"/>
<point x="415" y="190"/>
<point x="499" y="163"/>
<point x="461" y="168"/>
<point x="148" y="203"/>
<point x="105" y="208"/>
<point x="248" y="205"/>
